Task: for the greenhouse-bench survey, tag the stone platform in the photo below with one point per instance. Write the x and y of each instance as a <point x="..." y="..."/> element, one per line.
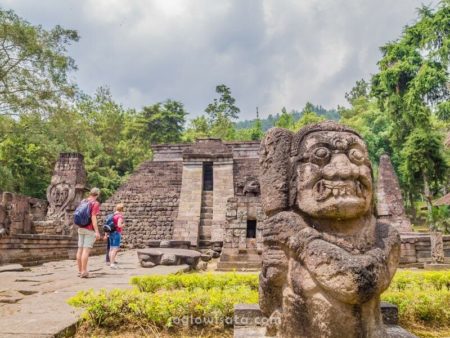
<point x="33" y="303"/>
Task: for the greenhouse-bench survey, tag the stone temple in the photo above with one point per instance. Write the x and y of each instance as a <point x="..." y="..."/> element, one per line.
<point x="205" y="194"/>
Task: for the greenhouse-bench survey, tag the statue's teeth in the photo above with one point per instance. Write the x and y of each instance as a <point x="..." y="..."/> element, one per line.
<point x="335" y="192"/>
<point x="358" y="189"/>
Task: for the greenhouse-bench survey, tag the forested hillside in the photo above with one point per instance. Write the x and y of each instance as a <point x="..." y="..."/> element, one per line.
<point x="271" y="120"/>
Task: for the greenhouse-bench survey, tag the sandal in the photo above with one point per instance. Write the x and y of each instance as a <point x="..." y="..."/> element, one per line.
<point x="84" y="275"/>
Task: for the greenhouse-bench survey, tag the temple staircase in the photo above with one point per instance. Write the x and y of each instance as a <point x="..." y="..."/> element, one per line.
<point x="246" y="260"/>
<point x="206" y="216"/>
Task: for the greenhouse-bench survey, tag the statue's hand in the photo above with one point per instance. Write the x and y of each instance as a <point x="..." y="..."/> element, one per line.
<point x="298" y="243"/>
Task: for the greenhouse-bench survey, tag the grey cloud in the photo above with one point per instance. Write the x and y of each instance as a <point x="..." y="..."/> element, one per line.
<point x="271" y="53"/>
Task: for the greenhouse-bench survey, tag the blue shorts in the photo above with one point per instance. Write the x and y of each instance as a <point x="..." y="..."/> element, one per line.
<point x="114" y="240"/>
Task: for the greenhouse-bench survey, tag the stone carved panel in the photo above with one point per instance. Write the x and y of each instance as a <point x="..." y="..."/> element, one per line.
<point x="326" y="259"/>
<point x="248" y="187"/>
<point x="66" y="190"/>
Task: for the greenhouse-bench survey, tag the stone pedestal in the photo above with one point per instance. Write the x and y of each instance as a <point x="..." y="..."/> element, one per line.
<point x="249" y="322"/>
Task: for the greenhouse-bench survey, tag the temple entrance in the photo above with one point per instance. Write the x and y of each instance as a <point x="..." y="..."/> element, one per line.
<point x="208" y="180"/>
<point x="251" y="228"/>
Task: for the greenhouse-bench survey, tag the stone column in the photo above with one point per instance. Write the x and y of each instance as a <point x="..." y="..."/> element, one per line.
<point x="186" y="226"/>
<point x="223" y="190"/>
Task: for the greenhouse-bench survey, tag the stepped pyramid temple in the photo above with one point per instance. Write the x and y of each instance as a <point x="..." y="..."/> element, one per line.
<point x="204" y="195"/>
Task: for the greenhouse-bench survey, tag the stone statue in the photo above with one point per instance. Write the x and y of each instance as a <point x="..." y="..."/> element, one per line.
<point x="326" y="259"/>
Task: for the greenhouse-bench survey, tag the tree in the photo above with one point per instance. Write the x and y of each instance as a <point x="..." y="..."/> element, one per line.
<point x="256" y="132"/>
<point x="224" y="107"/>
<point x="33" y="66"/>
<point x="412" y="88"/>
<point x="361" y="89"/>
<point x="366" y="117"/>
<point x="308" y="116"/>
<point x="286" y="120"/>
<point x="164" y="121"/>
<point x="220" y="113"/>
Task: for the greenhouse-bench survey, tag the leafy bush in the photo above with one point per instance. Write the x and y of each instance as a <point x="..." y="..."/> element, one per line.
<point x="191" y="281"/>
<point x="158" y="300"/>
<point x="422" y="297"/>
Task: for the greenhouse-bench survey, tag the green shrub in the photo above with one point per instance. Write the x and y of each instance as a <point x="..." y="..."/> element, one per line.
<point x="195" y="280"/>
<point x="422" y="297"/>
<point x="157" y="300"/>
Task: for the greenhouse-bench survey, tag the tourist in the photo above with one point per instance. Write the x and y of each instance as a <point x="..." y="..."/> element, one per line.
<point x="87" y="235"/>
<point x="116" y="236"/>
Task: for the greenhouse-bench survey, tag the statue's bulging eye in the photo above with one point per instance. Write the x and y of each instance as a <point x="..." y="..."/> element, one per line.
<point x="356" y="155"/>
<point x="321" y="155"/>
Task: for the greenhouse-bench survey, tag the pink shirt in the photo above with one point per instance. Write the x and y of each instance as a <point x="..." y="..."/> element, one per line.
<point x="118" y="216"/>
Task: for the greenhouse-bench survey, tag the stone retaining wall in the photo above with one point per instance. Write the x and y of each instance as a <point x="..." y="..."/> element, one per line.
<point x="416" y="249"/>
<point x="32" y="249"/>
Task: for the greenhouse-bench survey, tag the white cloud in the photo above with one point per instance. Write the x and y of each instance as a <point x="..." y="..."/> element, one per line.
<point x="271" y="53"/>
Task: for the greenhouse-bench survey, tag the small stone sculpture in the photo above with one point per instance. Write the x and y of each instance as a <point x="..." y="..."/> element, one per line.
<point x="326" y="259"/>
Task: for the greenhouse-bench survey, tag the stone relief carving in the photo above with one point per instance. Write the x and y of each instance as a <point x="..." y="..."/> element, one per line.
<point x="65" y="190"/>
<point x="326" y="259"/>
<point x="59" y="197"/>
<point x="248" y="187"/>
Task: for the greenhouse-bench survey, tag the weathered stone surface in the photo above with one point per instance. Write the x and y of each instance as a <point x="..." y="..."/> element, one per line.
<point x="326" y="259"/>
<point x="390" y="205"/>
<point x="11" y="267"/>
<point x="43" y="310"/>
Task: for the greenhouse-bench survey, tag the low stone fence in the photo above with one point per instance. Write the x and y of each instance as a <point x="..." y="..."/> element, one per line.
<point x="416" y="249"/>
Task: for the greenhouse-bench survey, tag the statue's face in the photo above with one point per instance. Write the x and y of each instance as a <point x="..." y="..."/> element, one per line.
<point x="334" y="176"/>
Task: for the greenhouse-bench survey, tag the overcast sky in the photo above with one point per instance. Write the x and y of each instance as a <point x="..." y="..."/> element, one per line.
<point x="271" y="53"/>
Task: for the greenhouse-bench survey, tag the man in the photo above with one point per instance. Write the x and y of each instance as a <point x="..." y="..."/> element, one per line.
<point x="87" y="235"/>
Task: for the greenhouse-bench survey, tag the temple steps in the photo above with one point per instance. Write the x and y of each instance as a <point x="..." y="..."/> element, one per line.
<point x="206" y="216"/>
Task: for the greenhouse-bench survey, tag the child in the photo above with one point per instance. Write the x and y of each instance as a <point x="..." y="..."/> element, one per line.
<point x="115" y="237"/>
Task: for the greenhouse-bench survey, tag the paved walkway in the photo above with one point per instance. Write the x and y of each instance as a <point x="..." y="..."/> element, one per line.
<point x="33" y="302"/>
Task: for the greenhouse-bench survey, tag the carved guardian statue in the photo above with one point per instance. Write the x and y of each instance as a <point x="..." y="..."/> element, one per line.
<point x="326" y="258"/>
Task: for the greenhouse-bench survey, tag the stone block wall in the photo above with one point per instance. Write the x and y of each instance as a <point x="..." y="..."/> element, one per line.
<point x="151" y="198"/>
<point x="416" y="249"/>
<point x="239" y="210"/>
